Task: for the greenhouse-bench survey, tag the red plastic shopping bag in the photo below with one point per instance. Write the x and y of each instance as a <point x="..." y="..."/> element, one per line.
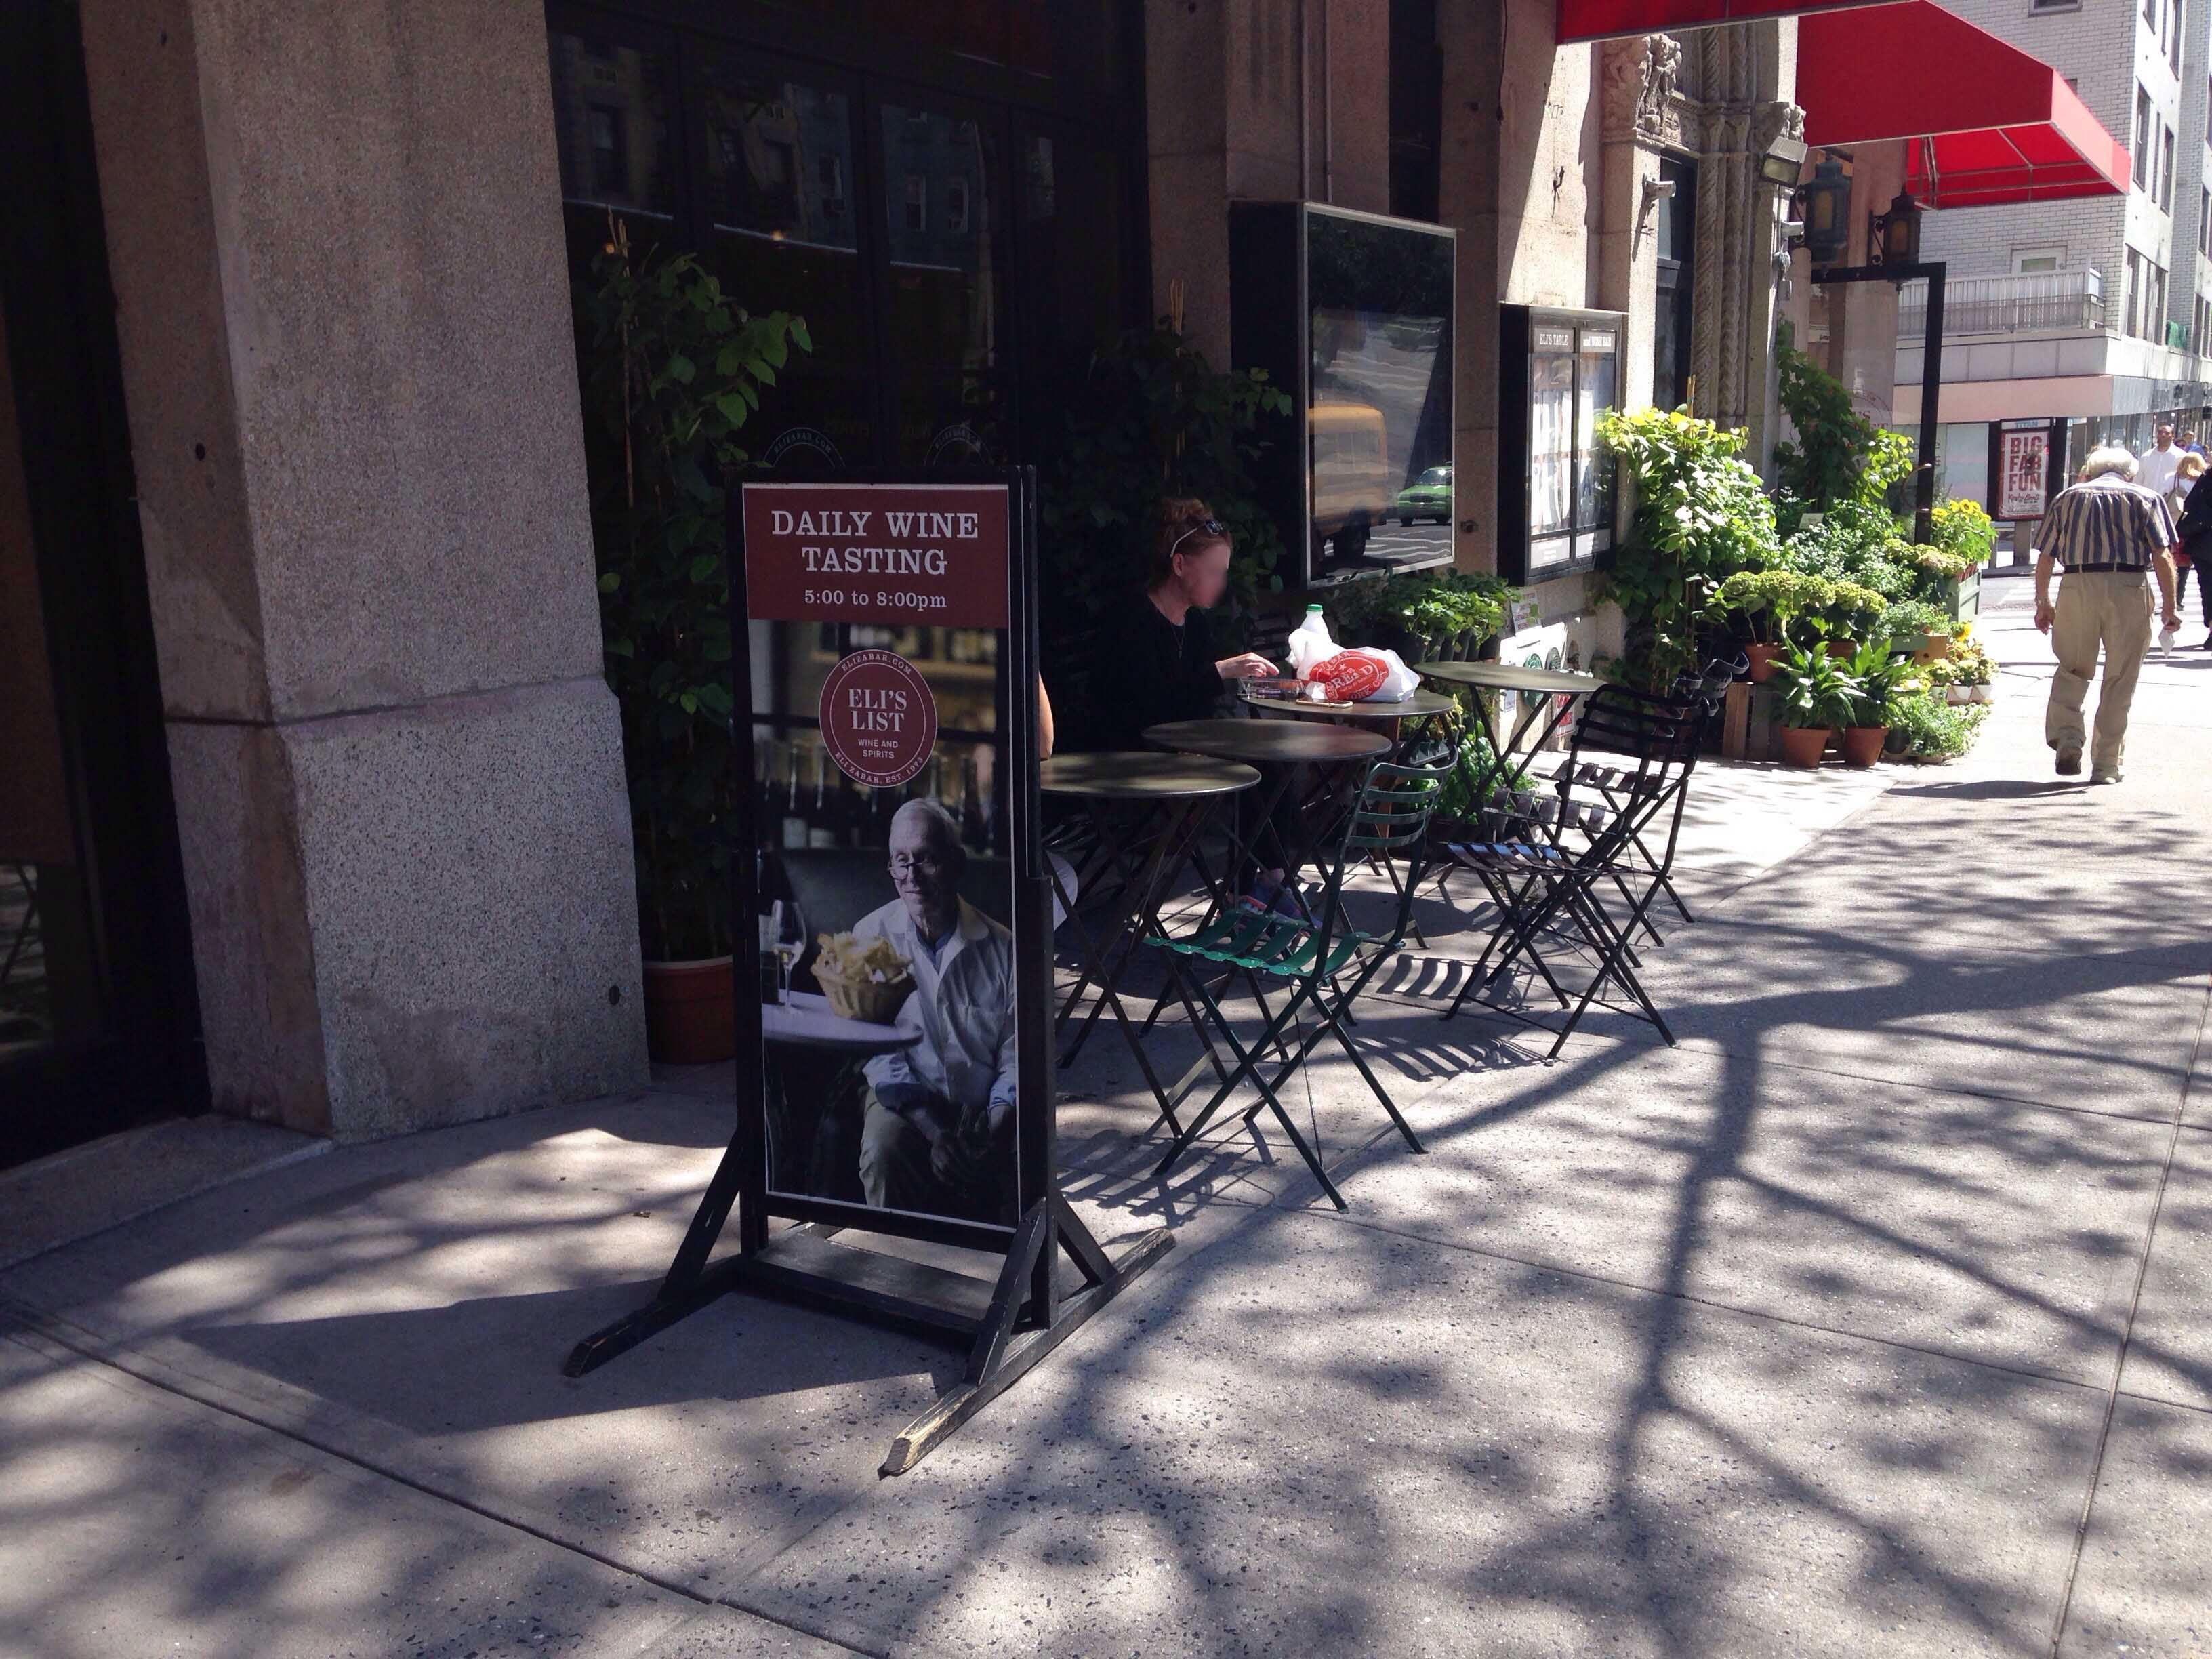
<point x="1351" y="675"/>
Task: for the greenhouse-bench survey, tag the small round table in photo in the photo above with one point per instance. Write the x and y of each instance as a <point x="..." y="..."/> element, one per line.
<point x="805" y="1022"/>
<point x="1145" y="812"/>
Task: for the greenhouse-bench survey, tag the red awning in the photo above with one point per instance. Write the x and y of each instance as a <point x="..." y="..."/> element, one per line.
<point x="1603" y="20"/>
<point x="1994" y="124"/>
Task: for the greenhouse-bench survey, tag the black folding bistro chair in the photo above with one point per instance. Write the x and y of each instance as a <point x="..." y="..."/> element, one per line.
<point x="1553" y="858"/>
<point x="1325" y="961"/>
<point x="1613" y="785"/>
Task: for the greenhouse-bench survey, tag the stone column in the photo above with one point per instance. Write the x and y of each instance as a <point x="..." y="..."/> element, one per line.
<point x="1223" y="84"/>
<point x="1643" y="121"/>
<point x="342" y="305"/>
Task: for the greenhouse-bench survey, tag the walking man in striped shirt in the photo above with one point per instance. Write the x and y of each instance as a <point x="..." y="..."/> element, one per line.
<point x="2110" y="533"/>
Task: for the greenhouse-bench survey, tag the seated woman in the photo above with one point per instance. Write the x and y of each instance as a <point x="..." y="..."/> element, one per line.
<point x="1156" y="660"/>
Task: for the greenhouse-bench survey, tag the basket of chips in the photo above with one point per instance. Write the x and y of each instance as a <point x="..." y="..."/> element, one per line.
<point x="863" y="979"/>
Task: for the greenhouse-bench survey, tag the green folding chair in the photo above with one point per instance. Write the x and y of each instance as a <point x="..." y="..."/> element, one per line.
<point x="1326" y="961"/>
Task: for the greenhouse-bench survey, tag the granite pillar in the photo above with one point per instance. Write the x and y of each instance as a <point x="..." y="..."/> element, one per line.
<point x="342" y="307"/>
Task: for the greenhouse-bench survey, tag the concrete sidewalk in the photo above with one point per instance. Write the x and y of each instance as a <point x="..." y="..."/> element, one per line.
<point x="1870" y="1319"/>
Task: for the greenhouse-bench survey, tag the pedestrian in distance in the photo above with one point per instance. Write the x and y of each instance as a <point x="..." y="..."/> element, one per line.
<point x="2187" y="439"/>
<point x="2109" y="532"/>
<point x="2155" y="471"/>
<point x="2195" y="530"/>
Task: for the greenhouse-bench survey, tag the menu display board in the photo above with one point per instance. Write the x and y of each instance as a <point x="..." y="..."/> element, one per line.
<point x="879" y="630"/>
<point x="1558" y="371"/>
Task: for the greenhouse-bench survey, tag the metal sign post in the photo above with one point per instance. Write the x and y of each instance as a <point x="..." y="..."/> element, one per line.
<point x="888" y="626"/>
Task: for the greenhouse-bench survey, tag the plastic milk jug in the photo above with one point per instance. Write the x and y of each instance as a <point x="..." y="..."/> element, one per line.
<point x="1309" y="643"/>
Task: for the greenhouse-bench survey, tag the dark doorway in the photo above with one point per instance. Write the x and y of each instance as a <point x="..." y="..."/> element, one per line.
<point x="98" y="1027"/>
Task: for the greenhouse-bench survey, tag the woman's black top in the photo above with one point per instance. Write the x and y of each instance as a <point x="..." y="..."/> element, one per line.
<point x="1149" y="672"/>
<point x="2195" y="517"/>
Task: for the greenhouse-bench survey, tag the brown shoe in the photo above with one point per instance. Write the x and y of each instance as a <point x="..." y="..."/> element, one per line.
<point x="2070" y="761"/>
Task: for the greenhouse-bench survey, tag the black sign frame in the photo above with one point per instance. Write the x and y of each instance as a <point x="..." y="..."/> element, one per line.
<point x="1010" y="1325"/>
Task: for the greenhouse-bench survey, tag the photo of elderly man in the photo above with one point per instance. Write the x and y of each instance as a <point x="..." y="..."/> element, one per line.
<point x="938" y="1135"/>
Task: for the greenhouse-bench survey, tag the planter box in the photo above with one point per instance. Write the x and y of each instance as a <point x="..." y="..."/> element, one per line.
<point x="1964" y="597"/>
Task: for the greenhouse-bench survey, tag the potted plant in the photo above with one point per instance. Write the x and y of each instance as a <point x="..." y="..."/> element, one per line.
<point x="672" y="367"/>
<point x="1815" y="693"/>
<point x="1852" y="613"/>
<point x="1918" y="626"/>
<point x="1769" y="603"/>
<point x="1879" y="669"/>
<point x="1965" y="674"/>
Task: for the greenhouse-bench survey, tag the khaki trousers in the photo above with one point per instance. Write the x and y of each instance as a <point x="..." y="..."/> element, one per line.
<point x="2107" y="608"/>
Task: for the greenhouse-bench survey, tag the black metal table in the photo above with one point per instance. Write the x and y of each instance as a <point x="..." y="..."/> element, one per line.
<point x="1560" y="689"/>
<point x="1420" y="712"/>
<point x="1148" y="810"/>
<point x="1337" y="754"/>
<point x="1408" y="722"/>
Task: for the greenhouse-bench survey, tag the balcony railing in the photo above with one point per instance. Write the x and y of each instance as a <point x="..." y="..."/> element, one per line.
<point x="2055" y="302"/>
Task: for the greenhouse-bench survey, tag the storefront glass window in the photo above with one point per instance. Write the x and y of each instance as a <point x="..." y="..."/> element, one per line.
<point x="1594" y="394"/>
<point x="783" y="234"/>
<point x="945" y="246"/>
<point x="611" y="115"/>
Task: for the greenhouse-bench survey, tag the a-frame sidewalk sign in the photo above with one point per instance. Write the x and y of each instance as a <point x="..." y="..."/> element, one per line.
<point x="888" y="623"/>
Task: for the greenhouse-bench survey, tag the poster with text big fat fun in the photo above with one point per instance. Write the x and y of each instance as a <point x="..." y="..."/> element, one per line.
<point x="878" y="649"/>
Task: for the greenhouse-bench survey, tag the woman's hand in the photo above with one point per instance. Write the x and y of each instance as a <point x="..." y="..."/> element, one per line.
<point x="1247" y="665"/>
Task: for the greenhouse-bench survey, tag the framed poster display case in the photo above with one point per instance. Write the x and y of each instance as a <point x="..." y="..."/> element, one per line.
<point x="1558" y="371"/>
<point x="2027" y="466"/>
<point x="1351" y="313"/>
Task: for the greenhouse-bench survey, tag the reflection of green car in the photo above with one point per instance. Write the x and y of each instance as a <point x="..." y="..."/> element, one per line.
<point x="1428" y="497"/>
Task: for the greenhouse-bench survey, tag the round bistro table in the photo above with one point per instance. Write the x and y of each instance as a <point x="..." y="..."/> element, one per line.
<point x="1558" y="690"/>
<point x="1147" y="811"/>
<point x="1338" y="756"/>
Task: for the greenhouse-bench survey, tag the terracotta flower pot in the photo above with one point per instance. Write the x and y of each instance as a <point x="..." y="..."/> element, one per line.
<point x="1933" y="645"/>
<point x="1843" y="650"/>
<point x="691" y="1011"/>
<point x="1802" y="745"/>
<point x="1863" y="744"/>
<point x="1762" y="662"/>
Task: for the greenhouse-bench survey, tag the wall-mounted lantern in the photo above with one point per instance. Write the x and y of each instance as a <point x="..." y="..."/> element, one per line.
<point x="1825" y="200"/>
<point x="1895" y="235"/>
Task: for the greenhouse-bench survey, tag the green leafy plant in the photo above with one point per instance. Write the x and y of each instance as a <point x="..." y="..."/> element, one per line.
<point x="1853" y="612"/>
<point x="1408" y="613"/>
<point x="672" y="367"/>
<point x="1932" y="729"/>
<point x="1914" y="618"/>
<point x="1769" y="603"/>
<point x="1879" y="671"/>
<point x="1701" y="516"/>
<point x="1857" y="541"/>
<point x="1455" y="797"/>
<point x="1813" y="689"/>
<point x="1151" y="418"/>
<point x="1836" y="455"/>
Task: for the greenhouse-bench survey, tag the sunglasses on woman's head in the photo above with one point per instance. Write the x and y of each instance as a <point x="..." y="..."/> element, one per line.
<point x="1211" y="526"/>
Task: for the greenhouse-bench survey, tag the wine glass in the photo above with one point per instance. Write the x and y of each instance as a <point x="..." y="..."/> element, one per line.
<point x="790" y="945"/>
